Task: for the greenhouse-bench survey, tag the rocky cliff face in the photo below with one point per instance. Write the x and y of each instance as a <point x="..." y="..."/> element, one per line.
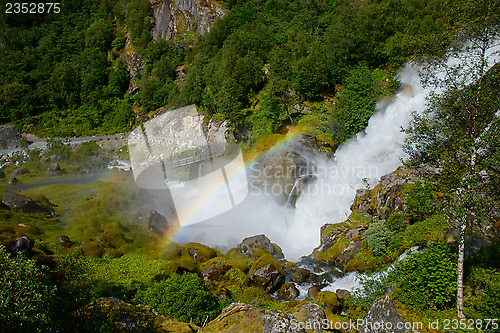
<point x="175" y="17"/>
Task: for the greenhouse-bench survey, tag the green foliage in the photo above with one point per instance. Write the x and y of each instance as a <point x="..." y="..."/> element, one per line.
<point x="378" y="237"/>
<point x="184" y="297"/>
<point x="27" y="298"/>
<point x="421" y="202"/>
<point x="428" y="279"/>
<point x="119" y="276"/>
<point x="422" y="280"/>
<point x="484" y="301"/>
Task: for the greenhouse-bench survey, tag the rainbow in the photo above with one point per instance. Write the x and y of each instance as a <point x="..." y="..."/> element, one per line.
<point x="206" y="201"/>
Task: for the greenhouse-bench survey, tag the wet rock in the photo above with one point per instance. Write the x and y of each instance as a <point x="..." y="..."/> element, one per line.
<point x="342" y="295"/>
<point x="9" y="137"/>
<point x="329" y="301"/>
<point x="267" y="273"/>
<point x="352" y="233"/>
<point x="240" y="317"/>
<point x="155" y="222"/>
<point x="19" y="202"/>
<point x="301" y="275"/>
<point x="256" y="246"/>
<point x="175" y="17"/>
<point x="21" y="245"/>
<point x="347" y="254"/>
<point x="289" y="292"/>
<point x="382" y="316"/>
<point x="215" y="269"/>
<point x="313" y="292"/>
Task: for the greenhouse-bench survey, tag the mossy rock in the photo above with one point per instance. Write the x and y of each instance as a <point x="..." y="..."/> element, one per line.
<point x="93" y="249"/>
<point x="267" y="273"/>
<point x="186" y="265"/>
<point x="333" y="251"/>
<point x="366" y="261"/>
<point x="198" y="252"/>
<point x="241" y="261"/>
<point x="288" y="291"/>
<point x="174" y="326"/>
<point x="329" y="301"/>
<point x="171" y="251"/>
<point x="113" y="315"/>
<point x="223" y="270"/>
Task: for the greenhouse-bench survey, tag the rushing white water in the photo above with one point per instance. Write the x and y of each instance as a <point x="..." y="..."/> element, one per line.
<point x="371" y="154"/>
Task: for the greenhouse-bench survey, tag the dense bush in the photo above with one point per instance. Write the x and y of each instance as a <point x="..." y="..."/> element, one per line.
<point x="378" y="237"/>
<point x="27" y="298"/>
<point x="184" y="297"/>
<point x="421" y="202"/>
<point x="484" y="301"/>
<point x="428" y="279"/>
<point x="423" y="280"/>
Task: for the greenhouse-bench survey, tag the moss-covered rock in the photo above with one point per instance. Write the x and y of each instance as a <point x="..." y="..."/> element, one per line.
<point x="92" y="248"/>
<point x="288" y="291"/>
<point x="241" y="261"/>
<point x="267" y="273"/>
<point x="240" y="317"/>
<point x="198" y="252"/>
<point x="256" y="246"/>
<point x="170" y="251"/>
<point x="329" y="254"/>
<point x="301" y="275"/>
<point x="114" y="315"/>
<point x="329" y="301"/>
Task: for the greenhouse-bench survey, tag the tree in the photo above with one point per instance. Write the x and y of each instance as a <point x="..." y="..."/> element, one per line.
<point x="461" y="120"/>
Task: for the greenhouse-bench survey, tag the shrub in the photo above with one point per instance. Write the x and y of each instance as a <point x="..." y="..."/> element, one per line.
<point x="422" y="280"/>
<point x="421" y="202"/>
<point x="26" y="296"/>
<point x="184" y="297"/>
<point x="378" y="237"/>
<point x="484" y="303"/>
<point x="427" y="279"/>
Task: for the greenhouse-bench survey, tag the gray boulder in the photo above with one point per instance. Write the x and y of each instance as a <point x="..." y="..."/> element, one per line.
<point x="155" y="222"/>
<point x="267" y="273"/>
<point x="255" y="246"/>
<point x="9" y="137"/>
<point x="383" y="318"/>
<point x="16" y="201"/>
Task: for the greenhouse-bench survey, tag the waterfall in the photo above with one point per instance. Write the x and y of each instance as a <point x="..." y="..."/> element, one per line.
<point x="362" y="160"/>
<point x="328" y="194"/>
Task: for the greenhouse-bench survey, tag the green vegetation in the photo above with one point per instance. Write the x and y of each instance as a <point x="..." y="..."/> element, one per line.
<point x="26" y="297"/>
<point x="420" y="281"/>
<point x="378" y="237"/>
<point x="184" y="297"/>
